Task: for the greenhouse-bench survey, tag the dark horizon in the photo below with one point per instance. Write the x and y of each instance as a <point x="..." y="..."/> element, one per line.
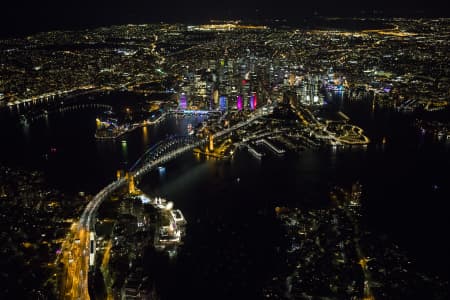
<point x="22" y="18"/>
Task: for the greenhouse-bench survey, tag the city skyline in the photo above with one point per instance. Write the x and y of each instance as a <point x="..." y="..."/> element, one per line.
<point x="223" y="159"/>
<point x="27" y="17"/>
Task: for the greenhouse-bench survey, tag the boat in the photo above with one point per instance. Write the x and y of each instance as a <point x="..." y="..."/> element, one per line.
<point x="178" y="217"/>
<point x="23" y="119"/>
<point x="167" y="231"/>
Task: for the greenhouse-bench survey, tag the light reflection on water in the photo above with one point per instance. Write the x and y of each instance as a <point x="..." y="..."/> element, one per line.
<point x="145" y="138"/>
<point x="395" y="177"/>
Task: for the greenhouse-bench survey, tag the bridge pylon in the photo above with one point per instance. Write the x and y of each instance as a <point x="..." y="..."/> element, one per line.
<point x="131" y="184"/>
<point x="120" y="174"/>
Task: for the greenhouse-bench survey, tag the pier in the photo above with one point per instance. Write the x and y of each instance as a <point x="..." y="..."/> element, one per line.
<point x="270" y="146"/>
<point x="254" y="152"/>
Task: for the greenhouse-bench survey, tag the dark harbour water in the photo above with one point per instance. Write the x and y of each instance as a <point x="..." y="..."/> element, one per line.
<point x="229" y="250"/>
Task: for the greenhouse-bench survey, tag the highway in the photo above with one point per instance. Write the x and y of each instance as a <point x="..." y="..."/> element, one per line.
<point x="76" y="249"/>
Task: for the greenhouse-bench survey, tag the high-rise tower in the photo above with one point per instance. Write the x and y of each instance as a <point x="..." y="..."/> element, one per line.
<point x="211" y="143"/>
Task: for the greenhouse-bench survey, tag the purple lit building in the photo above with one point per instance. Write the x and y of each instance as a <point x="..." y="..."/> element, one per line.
<point x="239" y="102"/>
<point x="182" y="104"/>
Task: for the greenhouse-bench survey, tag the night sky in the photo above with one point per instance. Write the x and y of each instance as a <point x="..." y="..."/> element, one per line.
<point x="26" y="16"/>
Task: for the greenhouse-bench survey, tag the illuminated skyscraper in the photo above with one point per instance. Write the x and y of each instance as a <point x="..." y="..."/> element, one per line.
<point x="216" y="98"/>
<point x="182" y="101"/>
<point x="253" y="101"/>
<point x="239" y="102"/>
<point x="223" y="103"/>
<point x="245" y="93"/>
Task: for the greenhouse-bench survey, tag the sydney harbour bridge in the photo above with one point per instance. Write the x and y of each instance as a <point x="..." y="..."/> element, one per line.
<point x="79" y="247"/>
